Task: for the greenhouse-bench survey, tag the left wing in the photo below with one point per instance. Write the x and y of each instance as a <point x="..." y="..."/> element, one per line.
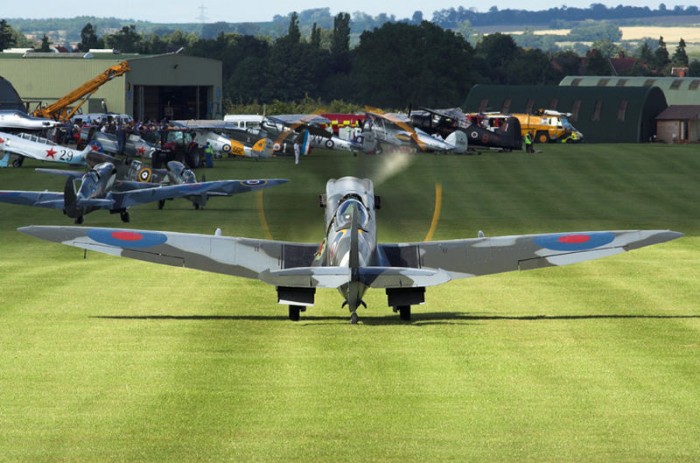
<point x="243" y="257"/>
<point x="130" y="198"/>
<point x="484" y="256"/>
<point x="52" y="200"/>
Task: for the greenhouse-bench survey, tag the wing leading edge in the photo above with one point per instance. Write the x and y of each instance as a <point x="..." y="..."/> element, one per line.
<point x="484" y="256"/>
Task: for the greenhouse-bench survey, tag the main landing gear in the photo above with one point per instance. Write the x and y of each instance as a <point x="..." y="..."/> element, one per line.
<point x="294" y="311"/>
<point x="404" y="312"/>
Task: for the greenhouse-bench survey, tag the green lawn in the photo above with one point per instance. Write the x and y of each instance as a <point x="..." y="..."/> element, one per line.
<point x="109" y="359"/>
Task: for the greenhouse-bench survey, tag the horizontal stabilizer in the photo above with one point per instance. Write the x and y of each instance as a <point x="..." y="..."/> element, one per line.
<point x="103" y="203"/>
<point x="401" y="277"/>
<point x="308" y="277"/>
<point x="66" y="173"/>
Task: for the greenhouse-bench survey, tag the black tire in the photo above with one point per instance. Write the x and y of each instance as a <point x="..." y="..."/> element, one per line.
<point x="405" y="312"/>
<point x="294" y="311"/>
<point x="124" y="215"/>
<point x="161" y="204"/>
<point x="18" y="161"/>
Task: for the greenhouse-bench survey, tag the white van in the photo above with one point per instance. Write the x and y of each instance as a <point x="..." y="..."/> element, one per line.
<point x="244" y="121"/>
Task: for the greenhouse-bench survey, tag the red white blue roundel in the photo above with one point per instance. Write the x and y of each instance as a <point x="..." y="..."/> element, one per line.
<point x="574" y="241"/>
<point x="127" y="238"/>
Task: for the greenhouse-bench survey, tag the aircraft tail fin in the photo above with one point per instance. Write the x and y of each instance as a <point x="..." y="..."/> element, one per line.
<point x="70" y="199"/>
<point x="459" y="140"/>
<point x="511" y="132"/>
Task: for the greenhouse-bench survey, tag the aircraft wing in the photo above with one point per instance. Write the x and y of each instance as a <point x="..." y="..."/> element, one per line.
<point x="483" y="256"/>
<point x="243" y="257"/>
<point x="66" y="173"/>
<point x="47" y="199"/>
<point x="229" y="187"/>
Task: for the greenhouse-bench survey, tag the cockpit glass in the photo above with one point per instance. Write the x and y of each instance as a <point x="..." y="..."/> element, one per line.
<point x="343" y="218"/>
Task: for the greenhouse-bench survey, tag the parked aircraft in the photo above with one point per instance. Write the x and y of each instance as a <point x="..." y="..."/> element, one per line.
<point x="382" y="129"/>
<point x="216" y="133"/>
<point x="349" y="258"/>
<point x="446" y="121"/>
<point x="13" y="119"/>
<point x="319" y="136"/>
<point x="99" y="189"/>
<point x="31" y="146"/>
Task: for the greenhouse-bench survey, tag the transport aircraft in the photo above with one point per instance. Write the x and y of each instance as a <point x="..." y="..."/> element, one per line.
<point x="100" y="189"/>
<point x="349" y="258"/>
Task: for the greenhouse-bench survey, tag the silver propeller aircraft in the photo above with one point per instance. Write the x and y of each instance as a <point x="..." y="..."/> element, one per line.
<point x="100" y="189"/>
<point x="349" y="258"/>
<point x="31" y="146"/>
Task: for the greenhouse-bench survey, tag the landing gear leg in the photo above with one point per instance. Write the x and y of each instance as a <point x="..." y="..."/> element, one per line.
<point x="404" y="312"/>
<point x="354" y="318"/>
<point x="124" y="216"/>
<point x="79" y="220"/>
<point x="161" y="204"/>
<point x="294" y="311"/>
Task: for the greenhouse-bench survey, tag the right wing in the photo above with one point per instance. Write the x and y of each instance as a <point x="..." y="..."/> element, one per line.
<point x="243" y="257"/>
<point x="48" y="199"/>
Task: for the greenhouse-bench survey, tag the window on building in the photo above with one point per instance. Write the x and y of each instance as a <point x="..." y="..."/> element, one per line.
<point x="576" y="82"/>
<point x="603" y="82"/>
<point x="649" y="82"/>
<point x="575" y="110"/>
<point x="506" y="106"/>
<point x="530" y="104"/>
<point x="621" y="83"/>
<point x="621" y="110"/>
<point x="596" y="110"/>
<point x="675" y="85"/>
<point x="694" y="84"/>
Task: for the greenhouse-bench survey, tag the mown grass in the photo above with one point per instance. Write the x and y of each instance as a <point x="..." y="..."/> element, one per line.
<point x="107" y="359"/>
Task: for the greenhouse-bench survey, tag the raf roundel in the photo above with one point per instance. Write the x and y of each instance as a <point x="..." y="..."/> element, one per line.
<point x="127" y="238"/>
<point x="574" y="241"/>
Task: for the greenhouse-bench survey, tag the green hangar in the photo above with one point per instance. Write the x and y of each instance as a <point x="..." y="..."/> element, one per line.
<point x="602" y="114"/>
<point x="173" y="85"/>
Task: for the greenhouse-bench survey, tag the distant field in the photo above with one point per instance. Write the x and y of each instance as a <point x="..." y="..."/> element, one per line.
<point x="109" y="359"/>
<point x="671" y="35"/>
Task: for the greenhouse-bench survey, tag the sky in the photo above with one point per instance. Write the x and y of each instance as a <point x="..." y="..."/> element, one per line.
<point x="169" y="11"/>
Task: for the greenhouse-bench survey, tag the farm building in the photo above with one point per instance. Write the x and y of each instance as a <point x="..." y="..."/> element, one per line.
<point x="602" y="114"/>
<point x="172" y="85"/>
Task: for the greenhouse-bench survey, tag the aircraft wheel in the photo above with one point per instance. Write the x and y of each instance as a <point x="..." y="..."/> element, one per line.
<point x="405" y="312"/>
<point x="354" y="318"/>
<point x="17" y="162"/>
<point x="124" y="216"/>
<point x="79" y="220"/>
<point x="196" y="206"/>
<point x="161" y="204"/>
<point x="294" y="311"/>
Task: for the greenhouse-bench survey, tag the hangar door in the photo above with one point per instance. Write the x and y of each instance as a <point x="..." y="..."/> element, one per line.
<point x="158" y="102"/>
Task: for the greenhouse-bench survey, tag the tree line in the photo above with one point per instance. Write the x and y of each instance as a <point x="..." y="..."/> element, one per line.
<point x="393" y="66"/>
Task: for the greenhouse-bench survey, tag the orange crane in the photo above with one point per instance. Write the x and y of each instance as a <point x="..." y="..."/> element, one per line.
<point x="61" y="109"/>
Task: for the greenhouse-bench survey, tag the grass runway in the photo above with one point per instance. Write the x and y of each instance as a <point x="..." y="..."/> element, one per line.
<point x="109" y="359"/>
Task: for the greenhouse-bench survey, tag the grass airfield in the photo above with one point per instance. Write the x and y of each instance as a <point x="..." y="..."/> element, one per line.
<point x="109" y="359"/>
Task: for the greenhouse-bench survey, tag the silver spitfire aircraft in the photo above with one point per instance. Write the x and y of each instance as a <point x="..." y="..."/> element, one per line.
<point x="100" y="189"/>
<point x="350" y="259"/>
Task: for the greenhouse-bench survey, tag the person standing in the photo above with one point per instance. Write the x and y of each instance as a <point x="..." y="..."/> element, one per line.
<point x="297" y="151"/>
<point x="528" y="143"/>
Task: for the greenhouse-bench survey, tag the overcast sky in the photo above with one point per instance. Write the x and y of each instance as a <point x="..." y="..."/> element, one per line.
<point x="169" y="11"/>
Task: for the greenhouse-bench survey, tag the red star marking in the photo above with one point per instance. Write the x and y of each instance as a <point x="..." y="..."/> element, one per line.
<point x="2" y="140"/>
<point x="95" y="147"/>
<point x="50" y="153"/>
<point x="141" y="150"/>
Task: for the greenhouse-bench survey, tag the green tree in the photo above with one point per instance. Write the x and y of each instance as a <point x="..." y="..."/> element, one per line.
<point x="645" y="54"/>
<point x="597" y="64"/>
<point x="315" y="36"/>
<point x="127" y="40"/>
<point x="293" y="33"/>
<point x="680" y="58"/>
<point x="661" y="57"/>
<point x="7" y="35"/>
<point x="340" y="43"/>
<point x="89" y="39"/>
<point x="45" y="46"/>
<point x="493" y="53"/>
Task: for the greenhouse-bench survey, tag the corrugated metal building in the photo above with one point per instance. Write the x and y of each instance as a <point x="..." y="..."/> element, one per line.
<point x="602" y="114"/>
<point x="678" y="90"/>
<point x="173" y="85"/>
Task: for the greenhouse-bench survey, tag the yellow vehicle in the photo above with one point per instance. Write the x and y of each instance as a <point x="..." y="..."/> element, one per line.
<point x="62" y="110"/>
<point x="547" y="125"/>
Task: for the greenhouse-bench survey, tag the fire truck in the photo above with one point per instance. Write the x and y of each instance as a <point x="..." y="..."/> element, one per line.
<point x="545" y="125"/>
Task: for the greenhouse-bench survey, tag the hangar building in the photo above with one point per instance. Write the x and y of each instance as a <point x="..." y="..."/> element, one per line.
<point x="172" y="85"/>
<point x="602" y="114"/>
<point x="680" y="122"/>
